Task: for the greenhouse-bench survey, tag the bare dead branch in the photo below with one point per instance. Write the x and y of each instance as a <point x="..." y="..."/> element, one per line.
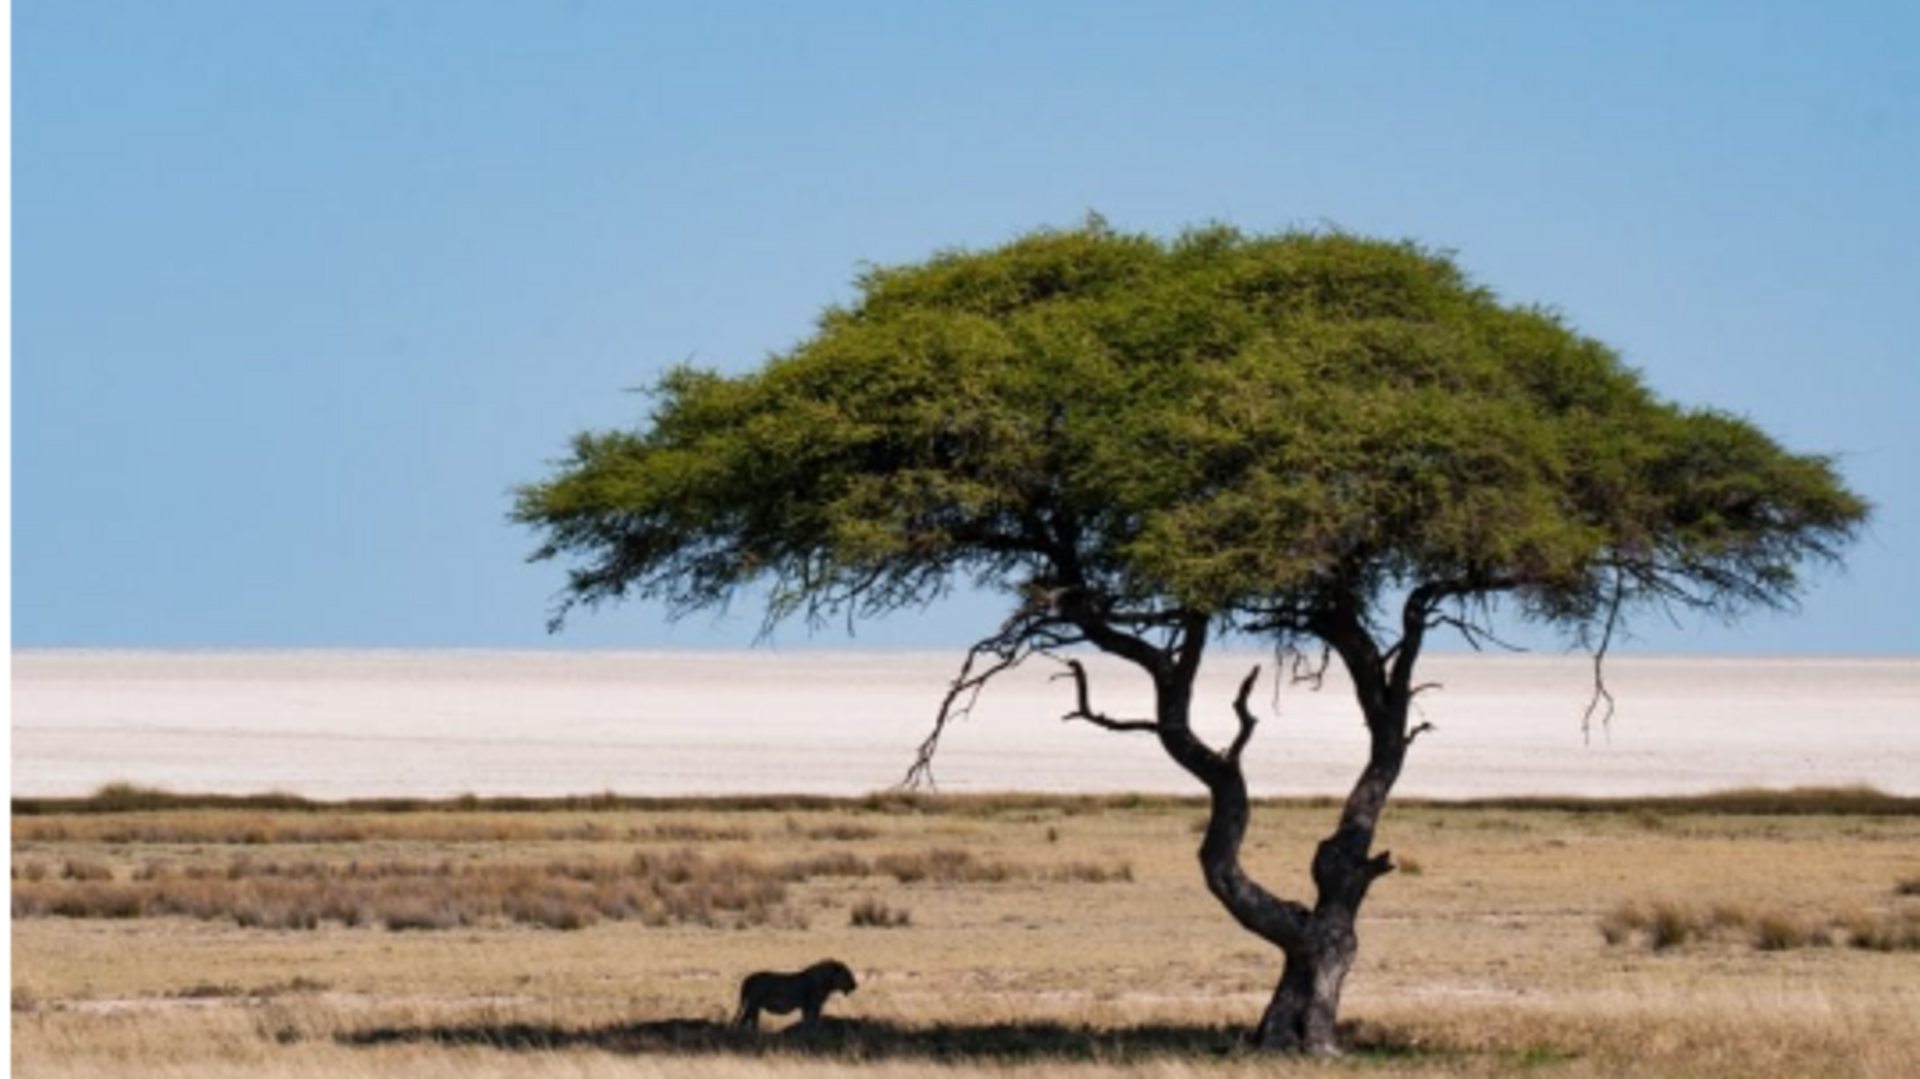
<point x="1247" y="719"/>
<point x="1084" y="709"/>
<point x="1419" y="730"/>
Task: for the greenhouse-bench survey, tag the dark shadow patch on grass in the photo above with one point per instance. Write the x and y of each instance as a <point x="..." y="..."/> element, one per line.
<point x="873" y="1040"/>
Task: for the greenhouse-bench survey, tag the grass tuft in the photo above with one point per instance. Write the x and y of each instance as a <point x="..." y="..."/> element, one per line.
<point x="1666" y="924"/>
<point x="1778" y="932"/>
<point x="85" y="871"/>
<point x="833" y="831"/>
<point x="943" y="865"/>
<point x="1891" y="931"/>
<point x="870" y="913"/>
<point x="1671" y="925"/>
<point x="685" y="832"/>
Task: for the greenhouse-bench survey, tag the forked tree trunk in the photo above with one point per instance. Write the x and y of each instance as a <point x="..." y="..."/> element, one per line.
<point x="1319" y="944"/>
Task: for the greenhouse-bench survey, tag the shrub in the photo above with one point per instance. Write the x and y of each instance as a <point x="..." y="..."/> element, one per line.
<point x="842" y="832"/>
<point x="555" y="908"/>
<point x="872" y="914"/>
<point x="129" y="798"/>
<point x="77" y="870"/>
<point x="1089" y="873"/>
<point x="839" y="863"/>
<point x="24" y="905"/>
<point x="264" y="906"/>
<point x="1648" y="819"/>
<point x="152" y="870"/>
<point x="98" y="899"/>
<point x="421" y="910"/>
<point x="944" y="865"/>
<point x="1672" y="925"/>
<point x="208" y="991"/>
<point x="1777" y="932"/>
<point x="1620" y="924"/>
<point x="1890" y="932"/>
<point x="694" y="833"/>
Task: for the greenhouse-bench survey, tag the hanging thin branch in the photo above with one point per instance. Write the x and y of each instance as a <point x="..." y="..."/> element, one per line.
<point x="1601" y="694"/>
<point x="1308" y="672"/>
<point x="1031" y="629"/>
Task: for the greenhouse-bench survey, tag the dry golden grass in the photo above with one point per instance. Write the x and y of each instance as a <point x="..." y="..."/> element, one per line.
<point x="1489" y="962"/>
<point x="655" y="888"/>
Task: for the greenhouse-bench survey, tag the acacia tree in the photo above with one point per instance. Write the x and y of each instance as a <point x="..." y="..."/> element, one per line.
<point x="1331" y="444"/>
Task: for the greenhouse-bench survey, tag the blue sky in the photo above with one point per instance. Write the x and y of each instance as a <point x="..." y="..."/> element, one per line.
<point x="301" y="289"/>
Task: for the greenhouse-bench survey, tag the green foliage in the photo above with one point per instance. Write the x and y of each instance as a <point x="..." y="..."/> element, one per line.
<point x="1246" y="428"/>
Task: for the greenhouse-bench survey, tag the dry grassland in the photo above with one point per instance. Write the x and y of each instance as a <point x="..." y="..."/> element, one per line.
<point x="1019" y="935"/>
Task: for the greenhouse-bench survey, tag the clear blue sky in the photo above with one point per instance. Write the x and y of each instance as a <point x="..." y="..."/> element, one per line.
<point x="301" y="289"/>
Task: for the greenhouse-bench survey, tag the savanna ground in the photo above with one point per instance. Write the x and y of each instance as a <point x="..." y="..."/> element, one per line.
<point x="1763" y="936"/>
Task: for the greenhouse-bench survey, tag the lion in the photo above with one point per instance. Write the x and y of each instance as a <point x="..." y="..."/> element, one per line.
<point x="806" y="992"/>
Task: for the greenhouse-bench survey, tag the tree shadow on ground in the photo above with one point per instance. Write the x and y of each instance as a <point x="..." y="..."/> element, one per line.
<point x="862" y="1040"/>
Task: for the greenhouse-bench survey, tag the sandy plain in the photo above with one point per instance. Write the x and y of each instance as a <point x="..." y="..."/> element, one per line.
<point x="336" y="725"/>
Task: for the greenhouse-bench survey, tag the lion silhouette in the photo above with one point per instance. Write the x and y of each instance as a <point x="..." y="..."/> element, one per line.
<point x="805" y="991"/>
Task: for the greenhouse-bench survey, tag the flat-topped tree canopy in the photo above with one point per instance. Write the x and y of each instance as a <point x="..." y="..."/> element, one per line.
<point x="1251" y="428"/>
<point x="1305" y="437"/>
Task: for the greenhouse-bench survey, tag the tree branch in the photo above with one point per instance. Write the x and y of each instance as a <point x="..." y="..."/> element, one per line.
<point x="1247" y="720"/>
<point x="1084" y="710"/>
<point x="1474" y="634"/>
<point x="1601" y="694"/>
<point x="1030" y="629"/>
<point x="1305" y="672"/>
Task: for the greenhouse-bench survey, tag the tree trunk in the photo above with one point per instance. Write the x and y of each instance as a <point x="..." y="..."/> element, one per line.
<point x="1320" y="944"/>
<point x="1302" y="1016"/>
